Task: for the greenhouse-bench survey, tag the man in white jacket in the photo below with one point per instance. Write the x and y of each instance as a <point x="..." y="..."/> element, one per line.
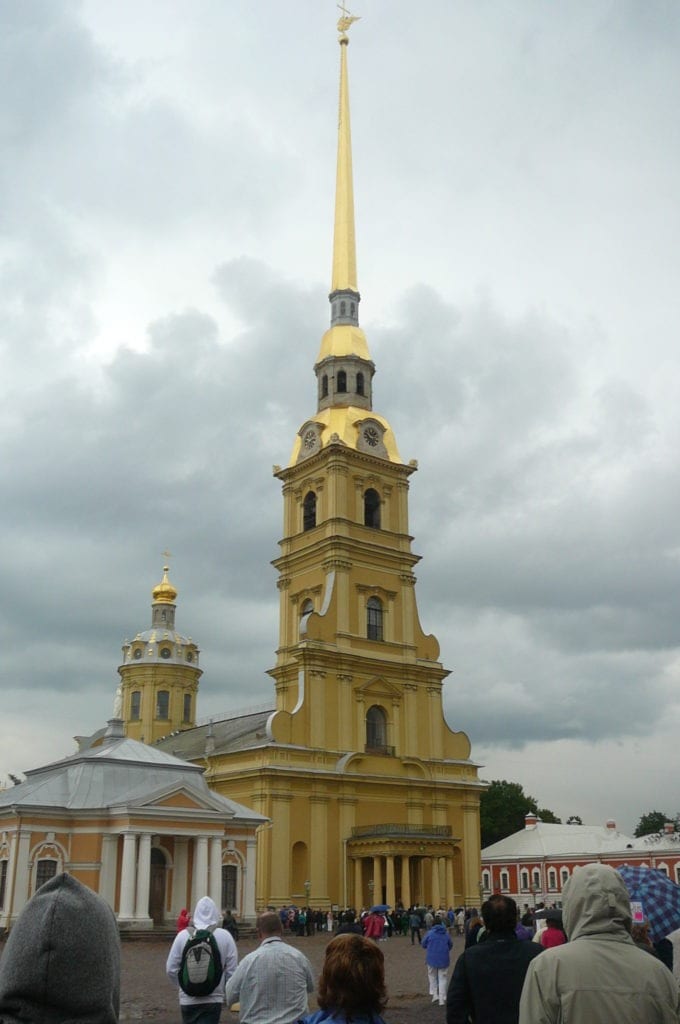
<point x="599" y="976"/>
<point x="203" y="1009"/>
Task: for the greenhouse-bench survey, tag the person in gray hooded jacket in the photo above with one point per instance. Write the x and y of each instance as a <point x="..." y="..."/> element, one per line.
<point x="62" y="959"/>
<point x="599" y="976"/>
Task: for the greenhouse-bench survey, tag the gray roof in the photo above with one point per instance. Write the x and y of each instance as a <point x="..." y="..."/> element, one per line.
<point x="120" y="772"/>
<point x="546" y="840"/>
<point x="238" y="733"/>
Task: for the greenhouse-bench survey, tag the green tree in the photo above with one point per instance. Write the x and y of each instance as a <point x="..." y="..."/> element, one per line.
<point x="502" y="809"/>
<point x="574" y="819"/>
<point x="548" y="816"/>
<point x="652" y="821"/>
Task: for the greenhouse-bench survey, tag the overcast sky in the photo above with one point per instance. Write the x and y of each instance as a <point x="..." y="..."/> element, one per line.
<point x="166" y="188"/>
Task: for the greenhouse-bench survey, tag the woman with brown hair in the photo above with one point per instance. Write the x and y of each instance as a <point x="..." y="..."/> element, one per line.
<point x="352" y="983"/>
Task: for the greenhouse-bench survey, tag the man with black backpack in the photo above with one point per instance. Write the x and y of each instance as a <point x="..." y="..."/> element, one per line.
<point x="201" y="960"/>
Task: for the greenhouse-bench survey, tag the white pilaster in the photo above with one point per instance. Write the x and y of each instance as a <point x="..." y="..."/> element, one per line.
<point x="22" y="872"/>
<point x="248" y="910"/>
<point x="107" y="871"/>
<point x="215" y="886"/>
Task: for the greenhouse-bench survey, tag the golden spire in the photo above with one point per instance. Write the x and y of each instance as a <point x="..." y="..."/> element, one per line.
<point x="344" y="277"/>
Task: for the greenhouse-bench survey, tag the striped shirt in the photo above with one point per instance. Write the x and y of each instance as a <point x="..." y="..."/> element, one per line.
<point x="271" y="984"/>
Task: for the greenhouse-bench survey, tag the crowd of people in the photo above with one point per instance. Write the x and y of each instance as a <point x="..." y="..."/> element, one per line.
<point x="584" y="964"/>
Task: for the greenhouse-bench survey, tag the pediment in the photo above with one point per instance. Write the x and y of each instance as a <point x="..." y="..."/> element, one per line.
<point x="379" y="687"/>
<point x="184" y="798"/>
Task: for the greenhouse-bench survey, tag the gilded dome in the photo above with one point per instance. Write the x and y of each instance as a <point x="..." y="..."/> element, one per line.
<point x="164" y="592"/>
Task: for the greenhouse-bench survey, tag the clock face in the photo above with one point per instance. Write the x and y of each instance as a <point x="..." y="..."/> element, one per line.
<point x="371" y="436"/>
<point x="309" y="440"/>
<point x="165" y="652"/>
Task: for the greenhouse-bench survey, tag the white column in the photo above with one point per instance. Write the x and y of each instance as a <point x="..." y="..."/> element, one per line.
<point x="107" y="871"/>
<point x="200" y="876"/>
<point x="22" y="872"/>
<point x="248" y="907"/>
<point x="180" y="875"/>
<point x="143" y="879"/>
<point x="126" y="909"/>
<point x="215" y="888"/>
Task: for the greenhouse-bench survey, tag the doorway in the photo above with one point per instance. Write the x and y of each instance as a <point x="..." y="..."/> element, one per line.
<point x="157" y="887"/>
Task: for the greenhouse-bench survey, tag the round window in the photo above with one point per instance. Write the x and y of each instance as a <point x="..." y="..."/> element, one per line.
<point x="165" y="652"/>
<point x="138" y="653"/>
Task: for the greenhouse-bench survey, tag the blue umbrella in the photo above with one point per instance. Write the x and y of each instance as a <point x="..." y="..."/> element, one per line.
<point x="379" y="908"/>
<point x="660" y="898"/>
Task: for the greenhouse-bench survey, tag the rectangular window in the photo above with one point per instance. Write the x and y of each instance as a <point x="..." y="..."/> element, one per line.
<point x="505" y="881"/>
<point x="229" y="874"/>
<point x="135" y="706"/>
<point x="186" y="717"/>
<point x="524" y="881"/>
<point x="163" y="704"/>
<point x="3" y="882"/>
<point x="46" y="869"/>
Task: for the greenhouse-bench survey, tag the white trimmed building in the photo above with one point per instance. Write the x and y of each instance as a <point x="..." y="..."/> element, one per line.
<point x="533" y="865"/>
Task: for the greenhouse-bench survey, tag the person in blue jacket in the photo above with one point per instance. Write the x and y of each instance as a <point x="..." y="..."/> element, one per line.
<point x="437" y="944"/>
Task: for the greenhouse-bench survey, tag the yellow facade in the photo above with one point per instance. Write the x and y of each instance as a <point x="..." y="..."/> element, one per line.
<point x="372" y="797"/>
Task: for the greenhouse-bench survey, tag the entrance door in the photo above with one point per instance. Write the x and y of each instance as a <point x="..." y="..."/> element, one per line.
<point x="157" y="887"/>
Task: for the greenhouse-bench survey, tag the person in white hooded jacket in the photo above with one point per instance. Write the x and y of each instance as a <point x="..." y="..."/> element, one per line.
<point x="599" y="976"/>
<point x="203" y="1009"/>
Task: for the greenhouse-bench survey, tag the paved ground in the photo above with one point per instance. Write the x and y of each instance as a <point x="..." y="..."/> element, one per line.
<point x="147" y="995"/>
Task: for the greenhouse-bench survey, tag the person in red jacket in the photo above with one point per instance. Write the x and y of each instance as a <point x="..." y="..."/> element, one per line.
<point x="553" y="933"/>
<point x="374" y="925"/>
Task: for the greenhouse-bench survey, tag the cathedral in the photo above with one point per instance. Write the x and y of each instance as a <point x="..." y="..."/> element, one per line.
<point x="370" y="796"/>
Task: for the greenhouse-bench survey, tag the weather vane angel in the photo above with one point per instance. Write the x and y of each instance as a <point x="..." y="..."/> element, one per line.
<point x="346" y="20"/>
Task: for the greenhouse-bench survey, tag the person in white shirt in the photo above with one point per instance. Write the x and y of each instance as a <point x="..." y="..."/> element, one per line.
<point x="203" y="1009"/>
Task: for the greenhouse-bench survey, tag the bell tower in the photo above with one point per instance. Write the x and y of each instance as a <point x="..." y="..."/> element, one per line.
<point x="160" y="673"/>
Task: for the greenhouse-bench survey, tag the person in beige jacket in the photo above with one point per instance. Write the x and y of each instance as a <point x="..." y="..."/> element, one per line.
<point x="599" y="976"/>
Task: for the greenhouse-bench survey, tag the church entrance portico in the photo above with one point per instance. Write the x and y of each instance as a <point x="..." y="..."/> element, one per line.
<point x="397" y="863"/>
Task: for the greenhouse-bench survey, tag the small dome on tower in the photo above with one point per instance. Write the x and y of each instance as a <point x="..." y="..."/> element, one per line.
<point x="164" y="592"/>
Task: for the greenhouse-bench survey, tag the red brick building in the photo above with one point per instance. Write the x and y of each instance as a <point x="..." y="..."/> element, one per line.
<point x="533" y="865"/>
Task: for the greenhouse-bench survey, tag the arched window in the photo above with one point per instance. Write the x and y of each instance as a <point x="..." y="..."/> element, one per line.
<point x="372" y="509"/>
<point x="135" y="705"/>
<point x="324" y="386"/>
<point x="343" y="308"/>
<point x="486" y="881"/>
<point x="360" y="383"/>
<point x="536" y="880"/>
<point x="309" y="511"/>
<point x="45" y="870"/>
<point x="3" y="883"/>
<point x="505" y="881"/>
<point x="229" y="879"/>
<point x="524" y="881"/>
<point x="376" y="728"/>
<point x="163" y="704"/>
<point x="374" y="618"/>
<point x="564" y="876"/>
<point x="552" y="878"/>
<point x="342" y="382"/>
